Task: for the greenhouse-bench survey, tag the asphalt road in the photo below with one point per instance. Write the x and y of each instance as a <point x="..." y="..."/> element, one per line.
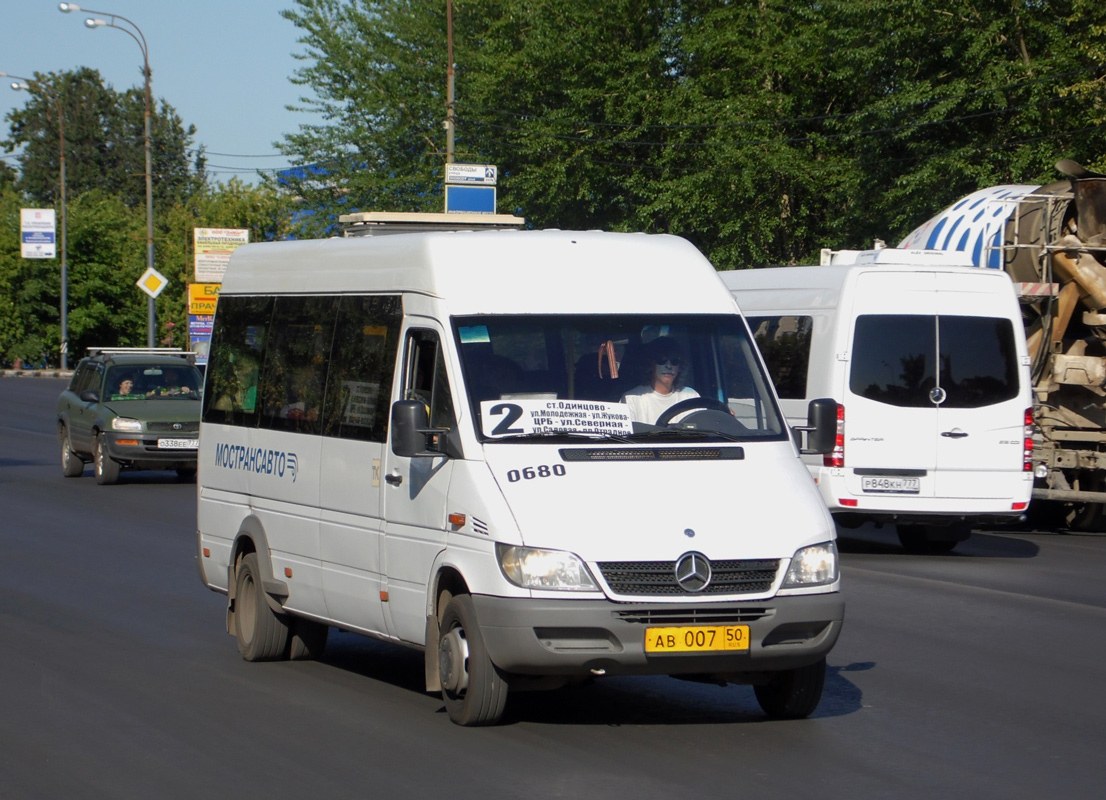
<point x="978" y="674"/>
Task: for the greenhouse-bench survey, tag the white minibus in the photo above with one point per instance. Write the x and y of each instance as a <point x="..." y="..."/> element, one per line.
<point x="926" y="358"/>
<point x="428" y="439"/>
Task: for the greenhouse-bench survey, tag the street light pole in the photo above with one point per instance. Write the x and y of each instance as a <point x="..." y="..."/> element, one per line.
<point x="25" y="84"/>
<point x="136" y="34"/>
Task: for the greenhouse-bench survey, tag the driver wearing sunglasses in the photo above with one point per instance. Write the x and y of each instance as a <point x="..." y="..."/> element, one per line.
<point x="662" y="385"/>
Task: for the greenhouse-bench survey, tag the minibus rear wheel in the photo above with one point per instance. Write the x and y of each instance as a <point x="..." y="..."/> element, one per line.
<point x="262" y="634"/>
<point x="793" y="693"/>
<point x="473" y="688"/>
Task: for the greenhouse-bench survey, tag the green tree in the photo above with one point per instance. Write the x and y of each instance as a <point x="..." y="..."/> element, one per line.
<point x="104" y="141"/>
<point x="262" y="210"/>
<point x="373" y="69"/>
<point x="7" y="175"/>
<point x="763" y="131"/>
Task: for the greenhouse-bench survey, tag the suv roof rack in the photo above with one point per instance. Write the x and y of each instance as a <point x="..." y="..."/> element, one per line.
<point x="141" y="351"/>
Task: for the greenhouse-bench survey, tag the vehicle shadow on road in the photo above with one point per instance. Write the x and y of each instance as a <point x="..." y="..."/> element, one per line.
<point x="869" y="540"/>
<point x="612" y="701"/>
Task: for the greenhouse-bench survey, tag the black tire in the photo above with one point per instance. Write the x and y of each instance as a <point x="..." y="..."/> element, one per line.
<point x="473" y="688"/>
<point x="106" y="470"/>
<point x="261" y="633"/>
<point x="793" y="693"/>
<point x="307" y="639"/>
<point x="71" y="464"/>
<point x="187" y="474"/>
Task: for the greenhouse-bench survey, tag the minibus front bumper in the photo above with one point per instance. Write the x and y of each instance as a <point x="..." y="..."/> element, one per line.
<point x="598" y="637"/>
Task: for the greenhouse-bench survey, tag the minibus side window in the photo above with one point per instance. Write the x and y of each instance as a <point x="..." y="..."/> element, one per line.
<point x="237" y="350"/>
<point x="784" y="342"/>
<point x="359" y="384"/>
<point x="294" y="374"/>
<point x="426" y="378"/>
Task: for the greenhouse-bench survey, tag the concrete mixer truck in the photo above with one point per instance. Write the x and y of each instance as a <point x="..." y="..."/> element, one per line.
<point x="1051" y="240"/>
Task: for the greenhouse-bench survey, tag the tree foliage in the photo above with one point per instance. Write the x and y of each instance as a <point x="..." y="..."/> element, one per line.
<point x="763" y="131"/>
<point x="104" y="134"/>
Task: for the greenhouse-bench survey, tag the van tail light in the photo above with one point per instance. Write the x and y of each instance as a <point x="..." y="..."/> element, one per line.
<point x="837" y="457"/>
<point x="1027" y="449"/>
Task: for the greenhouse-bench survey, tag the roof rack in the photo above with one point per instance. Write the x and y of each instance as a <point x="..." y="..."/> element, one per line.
<point x="141" y="351"/>
<point x="377" y="223"/>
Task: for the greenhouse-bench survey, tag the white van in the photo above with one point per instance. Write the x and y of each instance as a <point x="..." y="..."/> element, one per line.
<point x="927" y="359"/>
<point x="421" y="438"/>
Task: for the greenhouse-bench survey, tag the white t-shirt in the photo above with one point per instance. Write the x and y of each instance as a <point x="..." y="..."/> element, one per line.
<point x="647" y="404"/>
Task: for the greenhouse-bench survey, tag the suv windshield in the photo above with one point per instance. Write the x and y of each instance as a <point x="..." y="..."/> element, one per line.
<point x="152" y="382"/>
<point x="621" y="377"/>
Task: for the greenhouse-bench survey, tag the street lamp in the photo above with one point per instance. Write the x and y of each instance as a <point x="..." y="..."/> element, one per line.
<point x="25" y="84"/>
<point x="136" y="34"/>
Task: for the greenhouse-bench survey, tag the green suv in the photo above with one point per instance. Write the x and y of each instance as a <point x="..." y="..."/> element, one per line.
<point x="131" y="408"/>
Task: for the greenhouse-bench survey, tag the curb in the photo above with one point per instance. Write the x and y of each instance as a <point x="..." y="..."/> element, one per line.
<point x="36" y="373"/>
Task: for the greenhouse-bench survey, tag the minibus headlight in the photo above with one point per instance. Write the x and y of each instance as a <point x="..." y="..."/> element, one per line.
<point x="551" y="570"/>
<point x="123" y="424"/>
<point x="812" y="566"/>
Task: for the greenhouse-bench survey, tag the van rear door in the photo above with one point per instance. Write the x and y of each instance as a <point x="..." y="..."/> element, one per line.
<point x="935" y="383"/>
<point x="981" y="419"/>
<point x="890" y="418"/>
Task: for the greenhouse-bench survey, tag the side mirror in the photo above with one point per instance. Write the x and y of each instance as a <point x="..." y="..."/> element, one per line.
<point x="410" y="430"/>
<point x="90" y="396"/>
<point x="821" y="426"/>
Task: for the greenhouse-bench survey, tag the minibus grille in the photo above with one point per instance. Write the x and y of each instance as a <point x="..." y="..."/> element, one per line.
<point x="679" y="615"/>
<point x="749" y="576"/>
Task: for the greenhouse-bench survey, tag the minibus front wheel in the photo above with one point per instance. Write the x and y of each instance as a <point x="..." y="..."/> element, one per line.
<point x="793" y="693"/>
<point x="262" y="635"/>
<point x="473" y="688"/>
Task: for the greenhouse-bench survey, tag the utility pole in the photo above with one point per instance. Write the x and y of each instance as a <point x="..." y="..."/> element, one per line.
<point x="450" y="121"/>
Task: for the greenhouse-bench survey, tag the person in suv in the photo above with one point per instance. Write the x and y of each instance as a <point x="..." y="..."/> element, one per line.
<point x="130" y="409"/>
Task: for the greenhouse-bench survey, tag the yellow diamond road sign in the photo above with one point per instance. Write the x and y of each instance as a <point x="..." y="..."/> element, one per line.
<point x="152" y="282"/>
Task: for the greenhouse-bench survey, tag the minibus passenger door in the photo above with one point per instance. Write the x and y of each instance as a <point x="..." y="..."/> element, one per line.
<point x="416" y="487"/>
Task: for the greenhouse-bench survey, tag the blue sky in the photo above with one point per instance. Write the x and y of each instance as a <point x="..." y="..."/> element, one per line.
<point x="224" y="65"/>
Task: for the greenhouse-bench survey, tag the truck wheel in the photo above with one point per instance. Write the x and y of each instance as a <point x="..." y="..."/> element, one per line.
<point x="793" y="693"/>
<point x="473" y="688"/>
<point x="71" y="464"/>
<point x="262" y="635"/>
<point x="107" y="470"/>
<point x="307" y="640"/>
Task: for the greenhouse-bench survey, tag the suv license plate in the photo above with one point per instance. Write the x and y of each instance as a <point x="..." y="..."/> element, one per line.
<point x="176" y="444"/>
<point x="697" y="639"/>
<point x="891" y="485"/>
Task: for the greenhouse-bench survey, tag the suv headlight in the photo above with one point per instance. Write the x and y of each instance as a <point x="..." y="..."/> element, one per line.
<point x="129" y="425"/>
<point x="812" y="566"/>
<point x="551" y="570"/>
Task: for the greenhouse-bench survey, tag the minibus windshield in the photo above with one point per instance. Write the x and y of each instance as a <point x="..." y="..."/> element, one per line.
<point x="617" y="377"/>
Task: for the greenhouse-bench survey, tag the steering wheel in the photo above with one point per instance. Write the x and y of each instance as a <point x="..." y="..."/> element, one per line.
<point x="688" y="405"/>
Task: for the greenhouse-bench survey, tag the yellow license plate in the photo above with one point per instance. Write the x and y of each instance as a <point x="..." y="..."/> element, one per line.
<point x="697" y="639"/>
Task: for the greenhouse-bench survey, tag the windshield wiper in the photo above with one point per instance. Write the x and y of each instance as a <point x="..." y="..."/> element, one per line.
<point x="685" y="433"/>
